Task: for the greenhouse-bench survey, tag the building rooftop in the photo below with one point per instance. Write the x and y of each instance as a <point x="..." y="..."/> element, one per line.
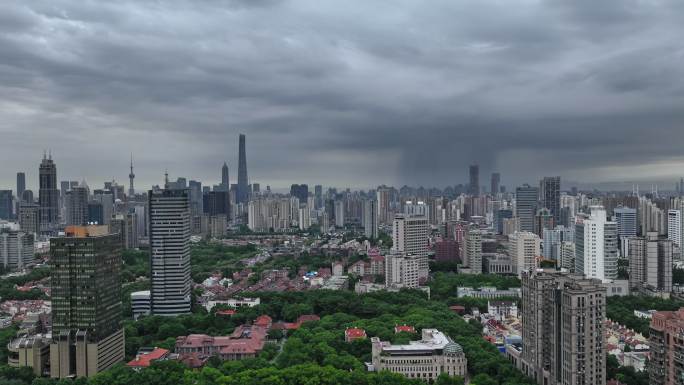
<point x="432" y="339"/>
<point x="145" y="360"/>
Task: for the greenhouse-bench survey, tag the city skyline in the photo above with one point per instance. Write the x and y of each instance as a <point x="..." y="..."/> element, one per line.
<point x="587" y="91"/>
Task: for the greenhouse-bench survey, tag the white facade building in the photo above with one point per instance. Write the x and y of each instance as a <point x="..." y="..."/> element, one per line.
<point x="410" y="237"/>
<point x="423" y="360"/>
<point x="402" y="270"/>
<point x="596" y="245"/>
<point x="524" y="249"/>
<point x="674" y="227"/>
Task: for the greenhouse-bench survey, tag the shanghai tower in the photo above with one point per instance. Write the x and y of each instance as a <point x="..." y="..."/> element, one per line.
<point x="242" y="193"/>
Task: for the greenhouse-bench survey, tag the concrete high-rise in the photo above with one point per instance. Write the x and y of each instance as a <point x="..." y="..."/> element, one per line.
<point x="562" y="329"/>
<point x="384" y="196"/>
<point x="402" y="270"/>
<point x="29" y="217"/>
<point x="474" y="186"/>
<point x="526" y="203"/>
<point x="16" y="249"/>
<point x="650" y="264"/>
<point x="664" y="364"/>
<point x="169" y="238"/>
<point x="596" y="245"/>
<point x="242" y="195"/>
<point x="496" y="181"/>
<point x="21" y="185"/>
<point x="77" y="205"/>
<point x="626" y="219"/>
<point x="550" y="196"/>
<point x="6" y="204"/>
<point x="472" y="250"/>
<point x="87" y="334"/>
<point x="48" y="195"/>
<point x="524" y="249"/>
<point x="370" y="218"/>
<point x="300" y="191"/>
<point x="674" y="226"/>
<point x="410" y="237"/>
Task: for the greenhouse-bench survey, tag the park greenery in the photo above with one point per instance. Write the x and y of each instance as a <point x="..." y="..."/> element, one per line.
<point x="621" y="310"/>
<point x="314" y="354"/>
<point x="8" y="285"/>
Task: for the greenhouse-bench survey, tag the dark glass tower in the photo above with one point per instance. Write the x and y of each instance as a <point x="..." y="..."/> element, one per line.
<point x="474" y="186"/>
<point x="225" y="181"/>
<point x="242" y="195"/>
<point x="21" y="184"/>
<point x="48" y="195"/>
<point x="550" y="196"/>
<point x="86" y="302"/>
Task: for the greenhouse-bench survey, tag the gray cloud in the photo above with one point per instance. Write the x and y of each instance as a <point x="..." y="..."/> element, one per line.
<point x="353" y="94"/>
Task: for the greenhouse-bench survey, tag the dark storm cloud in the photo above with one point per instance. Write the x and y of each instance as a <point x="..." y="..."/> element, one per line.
<point x="351" y="93"/>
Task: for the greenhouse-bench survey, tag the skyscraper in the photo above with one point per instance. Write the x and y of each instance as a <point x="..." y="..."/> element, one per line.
<point x="474" y="186"/>
<point x="301" y="191"/>
<point x="242" y="195"/>
<point x="496" y="180"/>
<point x="16" y="249"/>
<point x="21" y="185"/>
<point x="526" y="206"/>
<point x="472" y="250"/>
<point x="384" y="195"/>
<point x="87" y="335"/>
<point x="562" y="329"/>
<point x="524" y="249"/>
<point x="6" y="204"/>
<point x="410" y="237"/>
<point x="664" y="366"/>
<point x="550" y="196"/>
<point x="370" y="218"/>
<point x="674" y="226"/>
<point x="225" y="180"/>
<point x="169" y="235"/>
<point x="596" y="245"/>
<point x="131" y="176"/>
<point x="77" y="205"/>
<point x="650" y="264"/>
<point x="48" y="195"/>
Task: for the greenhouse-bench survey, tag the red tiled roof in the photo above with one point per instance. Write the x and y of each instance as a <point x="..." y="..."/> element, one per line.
<point x="353" y="333"/>
<point x="404" y="328"/>
<point x="228" y="312"/>
<point x="145" y="360"/>
<point x="264" y="321"/>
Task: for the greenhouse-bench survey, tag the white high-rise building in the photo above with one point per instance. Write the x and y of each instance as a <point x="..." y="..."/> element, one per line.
<point x="402" y="270"/>
<point x="370" y="218"/>
<point x="472" y="250"/>
<point x="596" y="245"/>
<point x="524" y="248"/>
<point x="16" y="249"/>
<point x="418" y="208"/>
<point x="339" y="213"/>
<point x="304" y="217"/>
<point x="410" y="236"/>
<point x="674" y="227"/>
<point x="169" y="220"/>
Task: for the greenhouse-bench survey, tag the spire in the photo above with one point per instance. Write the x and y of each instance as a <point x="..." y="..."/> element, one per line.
<point x="131" y="176"/>
<point x="166" y="178"/>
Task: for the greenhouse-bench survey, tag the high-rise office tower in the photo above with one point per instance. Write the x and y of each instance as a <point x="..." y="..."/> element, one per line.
<point x="596" y="245"/>
<point x="242" y="195"/>
<point x="300" y="191"/>
<point x="370" y="218"/>
<point x="27" y="196"/>
<point x="318" y="193"/>
<point x="524" y="249"/>
<point x="131" y="177"/>
<point x="48" y="195"/>
<point x="16" y="249"/>
<point x="339" y="213"/>
<point x="77" y="205"/>
<point x="496" y="181"/>
<point x="650" y="264"/>
<point x="474" y="186"/>
<point x="410" y="237"/>
<point x="550" y="196"/>
<point x="384" y="196"/>
<point x="402" y="270"/>
<point x="106" y="199"/>
<point x="472" y="250"/>
<point x="21" y="185"/>
<point x="225" y="177"/>
<point x="626" y="219"/>
<point x="562" y="329"/>
<point x="543" y="220"/>
<point x="169" y="235"/>
<point x="6" y="204"/>
<point x="29" y="217"/>
<point x="526" y="206"/>
<point x="87" y="335"/>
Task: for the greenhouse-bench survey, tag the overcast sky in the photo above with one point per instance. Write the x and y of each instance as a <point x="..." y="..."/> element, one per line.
<point x="346" y="93"/>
